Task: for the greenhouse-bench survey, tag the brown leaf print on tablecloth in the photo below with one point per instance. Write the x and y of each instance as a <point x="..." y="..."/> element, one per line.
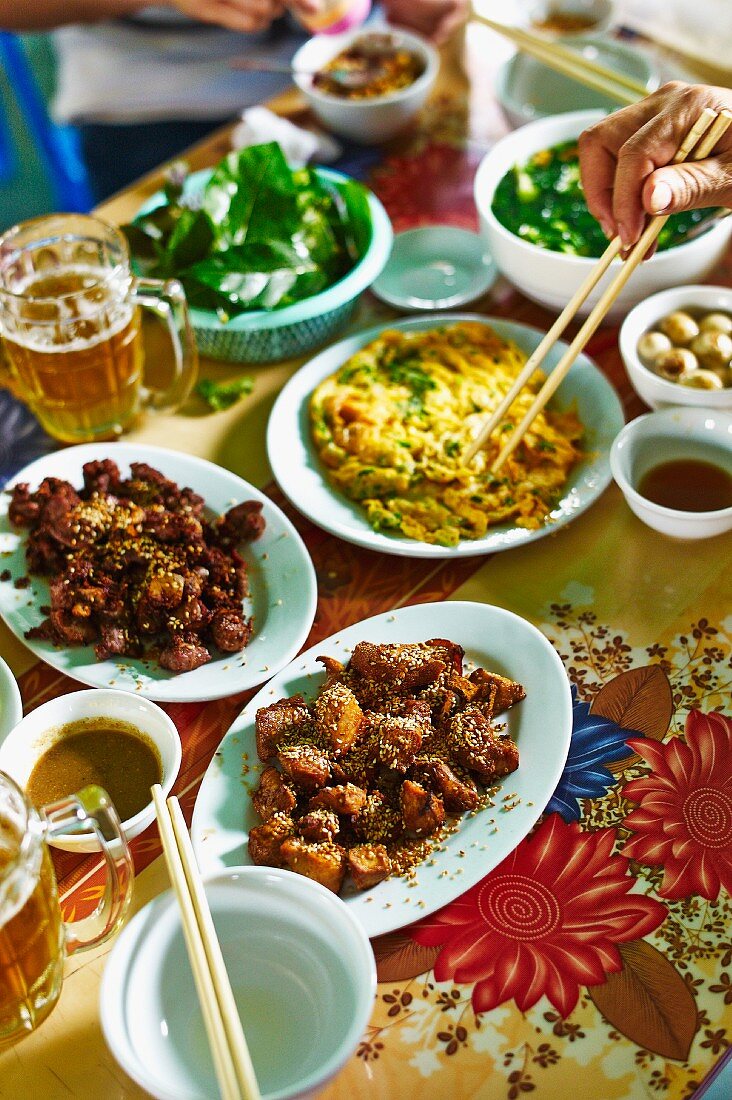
<point x="398" y="957"/>
<point x="649" y="1002"/>
<point x="639" y="699"/>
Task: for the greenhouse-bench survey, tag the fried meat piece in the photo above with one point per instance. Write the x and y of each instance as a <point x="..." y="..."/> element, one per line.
<point x="346" y="799"/>
<point x="277" y="721"/>
<point x="339" y="717"/>
<point x="405" y="667"/>
<point x="422" y="810"/>
<point x="334" y="670"/>
<point x="183" y="653"/>
<point x="319" y="825"/>
<point x="380" y="819"/>
<point x="449" y="652"/>
<point x="265" y="841"/>
<point x="399" y="741"/>
<point x="306" y="766"/>
<point x="242" y="523"/>
<point x="477" y="746"/>
<point x="459" y="793"/>
<point x="497" y="693"/>
<point x="369" y="864"/>
<point x="273" y="795"/>
<point x="325" y="863"/>
<point x="229" y="630"/>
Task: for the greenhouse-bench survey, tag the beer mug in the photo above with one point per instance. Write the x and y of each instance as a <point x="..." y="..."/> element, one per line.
<point x="71" y="328"/>
<point x="33" y="937"/>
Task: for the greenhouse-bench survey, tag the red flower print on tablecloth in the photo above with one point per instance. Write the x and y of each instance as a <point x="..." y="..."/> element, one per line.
<point x="545" y="922"/>
<point x="683" y="822"/>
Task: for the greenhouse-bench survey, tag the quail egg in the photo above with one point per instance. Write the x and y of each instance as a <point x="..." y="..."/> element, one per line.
<point x="675" y="362"/>
<point x="712" y="348"/>
<point x="651" y="344"/>
<point x="716" y="322"/>
<point x="680" y="327"/>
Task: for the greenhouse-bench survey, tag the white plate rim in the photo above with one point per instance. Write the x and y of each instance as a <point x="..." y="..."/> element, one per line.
<point x="11" y="707"/>
<point x="290" y="449"/>
<point x="405" y="623"/>
<point x="208" y="682"/>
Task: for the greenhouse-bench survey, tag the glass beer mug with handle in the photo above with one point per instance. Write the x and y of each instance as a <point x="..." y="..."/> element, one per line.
<point x="33" y="937"/>
<point x="71" y="328"/>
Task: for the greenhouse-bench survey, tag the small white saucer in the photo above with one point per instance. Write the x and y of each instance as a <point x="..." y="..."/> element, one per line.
<point x="436" y="267"/>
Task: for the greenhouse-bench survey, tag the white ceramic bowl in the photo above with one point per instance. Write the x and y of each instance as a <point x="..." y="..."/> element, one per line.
<point x="11" y="709"/>
<point x="301" y="969"/>
<point x="658" y="392"/>
<point x="22" y="747"/>
<point x="674" y="433"/>
<point x="551" y="278"/>
<point x="369" y="121"/>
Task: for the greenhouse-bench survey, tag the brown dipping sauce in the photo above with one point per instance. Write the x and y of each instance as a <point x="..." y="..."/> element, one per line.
<point x="115" y="755"/>
<point x="688" y="485"/>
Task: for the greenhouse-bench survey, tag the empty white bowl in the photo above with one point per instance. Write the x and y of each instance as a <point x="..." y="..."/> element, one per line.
<point x="658" y="392"/>
<point x="301" y="969"/>
<point x="662" y="436"/>
<point x="369" y="121"/>
<point x="23" y="747"/>
<point x="11" y="709"/>
<point x="551" y="278"/>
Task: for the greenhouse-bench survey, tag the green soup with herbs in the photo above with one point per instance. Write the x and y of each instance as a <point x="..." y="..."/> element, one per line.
<point x="542" y="202"/>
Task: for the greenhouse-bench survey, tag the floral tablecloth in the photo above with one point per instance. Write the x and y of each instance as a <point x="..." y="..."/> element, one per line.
<point x="597" y="959"/>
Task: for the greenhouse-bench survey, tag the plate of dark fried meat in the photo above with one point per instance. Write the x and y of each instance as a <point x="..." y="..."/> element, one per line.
<point x="151" y="571"/>
<point x="396" y="762"/>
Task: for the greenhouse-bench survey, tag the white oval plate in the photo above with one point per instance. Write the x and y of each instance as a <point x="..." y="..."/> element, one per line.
<point x="299" y="474"/>
<point x="11" y="709"/>
<point x="541" y="725"/>
<point x="281" y="577"/>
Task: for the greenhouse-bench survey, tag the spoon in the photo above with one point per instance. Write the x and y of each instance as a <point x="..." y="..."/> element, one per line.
<point x="349" y="79"/>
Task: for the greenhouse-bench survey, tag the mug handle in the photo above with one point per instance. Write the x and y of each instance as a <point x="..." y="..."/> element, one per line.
<point x="167" y="299"/>
<point x="92" y="806"/>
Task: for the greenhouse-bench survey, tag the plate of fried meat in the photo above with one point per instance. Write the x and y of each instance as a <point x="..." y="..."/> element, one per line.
<point x="396" y="762"/>
<point x="145" y="569"/>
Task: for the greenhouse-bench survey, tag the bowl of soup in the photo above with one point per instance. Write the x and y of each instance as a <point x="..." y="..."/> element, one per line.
<point x="113" y="739"/>
<point x="674" y="468"/>
<point x="378" y="108"/>
<point x="535" y="221"/>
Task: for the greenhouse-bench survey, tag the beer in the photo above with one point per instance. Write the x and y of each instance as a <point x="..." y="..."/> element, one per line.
<point x="71" y="345"/>
<point x="31" y="945"/>
<point x="77" y="359"/>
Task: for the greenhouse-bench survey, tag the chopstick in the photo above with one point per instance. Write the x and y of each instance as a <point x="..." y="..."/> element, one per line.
<point x="232" y="1062"/>
<point x="564" y="60"/>
<point x="706" y="131"/>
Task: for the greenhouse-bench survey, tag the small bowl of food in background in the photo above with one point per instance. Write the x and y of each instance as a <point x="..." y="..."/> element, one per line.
<point x="114" y="739"/>
<point x="11" y="709"/>
<point x="394" y="71"/>
<point x="677" y="347"/>
<point x="302" y="972"/>
<point x="674" y="468"/>
<point x="555" y="17"/>
<point x="527" y="89"/>
<point x="538" y="230"/>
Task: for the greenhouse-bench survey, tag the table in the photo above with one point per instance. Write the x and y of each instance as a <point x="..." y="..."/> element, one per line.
<point x="628" y="988"/>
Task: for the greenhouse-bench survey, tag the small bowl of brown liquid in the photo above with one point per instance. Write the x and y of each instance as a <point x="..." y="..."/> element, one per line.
<point x="113" y="739"/>
<point x="674" y="467"/>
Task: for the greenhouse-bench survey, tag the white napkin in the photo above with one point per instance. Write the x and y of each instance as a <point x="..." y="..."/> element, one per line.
<point x="259" y="125"/>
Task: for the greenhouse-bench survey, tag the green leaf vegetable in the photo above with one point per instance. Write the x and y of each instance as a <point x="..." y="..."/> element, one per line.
<point x="222" y="395"/>
<point x="261" y="235"/>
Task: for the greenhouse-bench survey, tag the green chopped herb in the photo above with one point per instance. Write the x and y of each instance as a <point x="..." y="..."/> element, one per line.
<point x="222" y="395"/>
<point x="452" y="447"/>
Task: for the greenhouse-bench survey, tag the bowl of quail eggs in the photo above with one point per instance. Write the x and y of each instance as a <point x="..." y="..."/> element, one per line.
<point x="677" y="347"/>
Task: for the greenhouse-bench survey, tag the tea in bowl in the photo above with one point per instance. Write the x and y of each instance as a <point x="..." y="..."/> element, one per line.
<point x="301" y="969"/>
<point x="674" y="468"/>
<point x="113" y="739"/>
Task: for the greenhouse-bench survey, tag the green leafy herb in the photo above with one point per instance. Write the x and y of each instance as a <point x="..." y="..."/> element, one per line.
<point x="260" y="236"/>
<point x="222" y="395"/>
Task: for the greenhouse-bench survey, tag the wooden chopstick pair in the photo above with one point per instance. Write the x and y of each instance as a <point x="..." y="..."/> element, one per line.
<point x="232" y="1061"/>
<point x="698" y="144"/>
<point x="618" y="86"/>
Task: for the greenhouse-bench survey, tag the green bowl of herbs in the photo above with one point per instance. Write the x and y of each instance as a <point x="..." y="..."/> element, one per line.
<point x="272" y="259"/>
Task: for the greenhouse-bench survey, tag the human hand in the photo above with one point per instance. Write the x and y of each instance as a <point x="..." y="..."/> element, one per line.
<point x="238" y="15"/>
<point x="435" y="19"/>
<point x="625" y="160"/>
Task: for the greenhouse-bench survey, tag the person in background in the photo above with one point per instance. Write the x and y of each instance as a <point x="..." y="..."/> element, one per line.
<point x="141" y="82"/>
<point x="625" y="160"/>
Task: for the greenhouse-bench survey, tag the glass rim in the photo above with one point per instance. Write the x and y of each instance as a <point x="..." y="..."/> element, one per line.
<point x="17" y="861"/>
<point x="7" y="239"/>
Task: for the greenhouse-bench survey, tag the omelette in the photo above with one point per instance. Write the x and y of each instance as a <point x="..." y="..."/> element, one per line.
<point x="392" y="424"/>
